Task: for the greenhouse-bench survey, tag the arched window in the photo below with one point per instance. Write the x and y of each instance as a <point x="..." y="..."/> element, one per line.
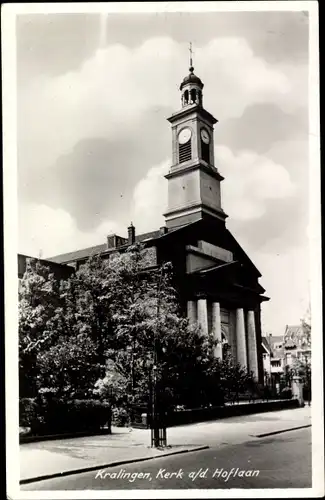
<point x="193" y="96"/>
<point x="186" y="97"/>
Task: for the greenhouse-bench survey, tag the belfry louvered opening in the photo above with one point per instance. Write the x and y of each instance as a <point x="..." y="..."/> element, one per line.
<point x="185" y="151"/>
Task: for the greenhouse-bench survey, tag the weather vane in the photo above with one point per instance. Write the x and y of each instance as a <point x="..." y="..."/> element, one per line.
<point x="191" y="54"/>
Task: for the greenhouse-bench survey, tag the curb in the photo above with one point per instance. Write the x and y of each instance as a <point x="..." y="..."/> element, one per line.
<point x="104" y="466"/>
<point x="280" y="432"/>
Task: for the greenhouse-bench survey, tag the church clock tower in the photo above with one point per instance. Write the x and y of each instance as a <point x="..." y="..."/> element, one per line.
<point x="193" y="180"/>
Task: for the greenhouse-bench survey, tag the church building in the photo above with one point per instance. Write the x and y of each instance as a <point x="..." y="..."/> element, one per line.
<point x="217" y="282"/>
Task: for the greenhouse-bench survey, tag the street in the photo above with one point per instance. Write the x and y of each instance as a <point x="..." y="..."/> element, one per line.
<point x="278" y="461"/>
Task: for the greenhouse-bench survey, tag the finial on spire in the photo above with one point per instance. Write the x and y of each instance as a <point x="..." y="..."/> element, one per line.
<point x="191" y="59"/>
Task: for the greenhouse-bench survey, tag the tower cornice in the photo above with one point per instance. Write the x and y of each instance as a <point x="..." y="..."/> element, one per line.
<point x="190" y="166"/>
<point x="184" y="112"/>
<point x="192" y="212"/>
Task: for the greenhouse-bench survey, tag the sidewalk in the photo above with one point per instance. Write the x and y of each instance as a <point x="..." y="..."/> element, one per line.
<point x="62" y="456"/>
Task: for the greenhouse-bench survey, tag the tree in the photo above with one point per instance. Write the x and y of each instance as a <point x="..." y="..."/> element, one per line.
<point x="39" y="299"/>
<point x="88" y="297"/>
<point x="69" y="368"/>
<point x="235" y="379"/>
<point x="287" y="376"/>
<point x="61" y="331"/>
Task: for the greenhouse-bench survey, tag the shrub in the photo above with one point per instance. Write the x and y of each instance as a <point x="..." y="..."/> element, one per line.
<point x="286" y="393"/>
<point x="27" y="412"/>
<point x="120" y="417"/>
<point x="50" y="415"/>
<point x="92" y="413"/>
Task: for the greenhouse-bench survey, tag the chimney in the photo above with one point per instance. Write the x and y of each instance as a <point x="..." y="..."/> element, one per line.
<point x="131" y="234"/>
<point x="163" y="230"/>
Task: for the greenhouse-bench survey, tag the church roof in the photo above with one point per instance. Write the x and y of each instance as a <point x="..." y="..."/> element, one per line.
<point x="84" y="253"/>
<point x="151" y="236"/>
<point x="78" y="254"/>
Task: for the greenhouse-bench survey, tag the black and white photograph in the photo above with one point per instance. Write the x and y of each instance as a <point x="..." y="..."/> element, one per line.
<point x="162" y="242"/>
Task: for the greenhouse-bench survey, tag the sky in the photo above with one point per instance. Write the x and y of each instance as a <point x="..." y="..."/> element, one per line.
<point x="93" y="95"/>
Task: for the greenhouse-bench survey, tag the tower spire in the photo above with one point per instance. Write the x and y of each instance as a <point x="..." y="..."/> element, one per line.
<point x="191" y="58"/>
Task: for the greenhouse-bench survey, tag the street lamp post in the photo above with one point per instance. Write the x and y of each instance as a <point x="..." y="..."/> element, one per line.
<point x="130" y="350"/>
<point x="158" y="429"/>
<point x="154" y="422"/>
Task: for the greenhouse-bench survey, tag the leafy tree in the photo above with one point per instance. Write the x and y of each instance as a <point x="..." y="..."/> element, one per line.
<point x="39" y="298"/>
<point x="113" y="387"/>
<point x="69" y="368"/>
<point x="88" y="295"/>
<point x="302" y="369"/>
<point x="235" y="379"/>
<point x="60" y="331"/>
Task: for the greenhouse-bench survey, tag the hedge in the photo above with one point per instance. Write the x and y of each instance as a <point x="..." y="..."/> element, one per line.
<point x="54" y="416"/>
<point x="214" y="413"/>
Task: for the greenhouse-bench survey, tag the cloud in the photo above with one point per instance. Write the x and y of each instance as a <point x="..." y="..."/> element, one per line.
<point x="95" y="179"/>
<point x="288" y="289"/>
<point x="53" y="44"/>
<point x="113" y="99"/>
<point x="260" y="126"/>
<point x="45" y="232"/>
<point x="250" y="181"/>
<point x="113" y="88"/>
<point x="150" y="199"/>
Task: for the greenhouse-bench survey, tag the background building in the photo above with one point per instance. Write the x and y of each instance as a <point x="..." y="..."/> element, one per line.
<point x="281" y="352"/>
<point x="297" y="345"/>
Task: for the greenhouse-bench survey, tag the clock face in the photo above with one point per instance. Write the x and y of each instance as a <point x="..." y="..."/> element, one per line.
<point x="205" y="136"/>
<point x="184" y="135"/>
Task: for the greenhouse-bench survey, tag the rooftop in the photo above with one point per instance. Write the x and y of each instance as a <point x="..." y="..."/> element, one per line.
<point x="293" y="330"/>
<point x="104" y="247"/>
